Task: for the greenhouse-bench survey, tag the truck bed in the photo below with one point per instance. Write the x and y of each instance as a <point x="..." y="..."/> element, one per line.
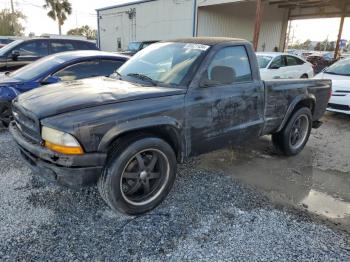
<point x="282" y="95"/>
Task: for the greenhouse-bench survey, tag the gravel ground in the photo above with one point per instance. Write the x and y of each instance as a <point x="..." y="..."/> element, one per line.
<point x="208" y="216"/>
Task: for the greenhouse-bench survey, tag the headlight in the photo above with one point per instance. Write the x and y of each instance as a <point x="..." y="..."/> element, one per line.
<point x="60" y="142"/>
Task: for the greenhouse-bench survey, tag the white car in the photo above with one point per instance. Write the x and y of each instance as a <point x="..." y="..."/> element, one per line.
<point x="339" y="73"/>
<point x="283" y="66"/>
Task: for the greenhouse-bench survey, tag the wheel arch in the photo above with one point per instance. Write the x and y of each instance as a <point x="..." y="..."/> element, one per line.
<point x="307" y="100"/>
<point x="165" y="128"/>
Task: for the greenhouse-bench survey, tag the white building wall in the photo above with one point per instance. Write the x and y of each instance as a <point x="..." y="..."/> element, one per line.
<point x="238" y="19"/>
<point x="154" y="20"/>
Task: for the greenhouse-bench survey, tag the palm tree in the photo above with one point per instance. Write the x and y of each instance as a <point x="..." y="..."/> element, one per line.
<point x="59" y="10"/>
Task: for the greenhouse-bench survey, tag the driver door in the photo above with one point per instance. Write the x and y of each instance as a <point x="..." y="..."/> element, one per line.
<point x="229" y="108"/>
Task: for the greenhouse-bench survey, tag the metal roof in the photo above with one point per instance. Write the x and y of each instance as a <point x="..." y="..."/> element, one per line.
<point x="206" y="40"/>
<point x="126" y="4"/>
<point x="309" y="3"/>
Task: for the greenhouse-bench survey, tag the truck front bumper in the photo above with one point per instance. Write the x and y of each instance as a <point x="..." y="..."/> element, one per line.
<point x="68" y="170"/>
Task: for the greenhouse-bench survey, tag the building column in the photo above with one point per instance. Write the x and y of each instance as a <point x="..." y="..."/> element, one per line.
<point x="341" y="26"/>
<point x="258" y="20"/>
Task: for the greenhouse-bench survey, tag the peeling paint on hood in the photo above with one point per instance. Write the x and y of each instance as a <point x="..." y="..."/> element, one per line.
<point x="65" y="97"/>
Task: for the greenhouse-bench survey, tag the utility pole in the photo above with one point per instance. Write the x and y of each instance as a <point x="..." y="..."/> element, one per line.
<point x="12" y="7"/>
<point x="258" y="21"/>
<point x="341" y="26"/>
<point x="13" y="17"/>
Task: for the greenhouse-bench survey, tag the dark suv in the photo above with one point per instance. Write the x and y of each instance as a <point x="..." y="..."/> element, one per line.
<point x="22" y="52"/>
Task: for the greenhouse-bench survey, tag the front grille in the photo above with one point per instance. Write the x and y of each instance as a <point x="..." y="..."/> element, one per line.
<point x="339" y="107"/>
<point x="27" y="124"/>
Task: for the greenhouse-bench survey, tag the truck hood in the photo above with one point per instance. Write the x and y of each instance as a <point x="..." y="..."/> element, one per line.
<point x="70" y="96"/>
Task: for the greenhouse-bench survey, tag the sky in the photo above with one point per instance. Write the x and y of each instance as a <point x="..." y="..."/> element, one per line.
<point x="84" y="14"/>
<point x="38" y="22"/>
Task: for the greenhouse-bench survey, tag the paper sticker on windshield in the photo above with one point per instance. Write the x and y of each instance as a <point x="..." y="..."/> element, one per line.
<point x="197" y="47"/>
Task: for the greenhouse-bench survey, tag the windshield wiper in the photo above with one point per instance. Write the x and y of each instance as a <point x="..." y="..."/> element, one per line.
<point x="143" y="77"/>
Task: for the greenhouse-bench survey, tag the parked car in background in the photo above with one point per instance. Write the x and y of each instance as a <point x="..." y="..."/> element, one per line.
<point x="179" y="99"/>
<point x="319" y="61"/>
<point x="339" y="73"/>
<point x="135" y="47"/>
<point x="283" y="66"/>
<point x="66" y="66"/>
<point x="5" y="41"/>
<point x="24" y="51"/>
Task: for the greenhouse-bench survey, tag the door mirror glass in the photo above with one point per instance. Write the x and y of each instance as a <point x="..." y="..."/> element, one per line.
<point x="275" y="67"/>
<point x="51" y="80"/>
<point x="15" y="54"/>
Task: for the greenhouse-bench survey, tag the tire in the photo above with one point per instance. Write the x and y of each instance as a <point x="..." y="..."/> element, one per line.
<point x="138" y="175"/>
<point x="5" y="113"/>
<point x="304" y="76"/>
<point x="292" y="139"/>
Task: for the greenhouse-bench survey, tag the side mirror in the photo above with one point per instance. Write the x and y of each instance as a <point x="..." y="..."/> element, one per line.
<point x="15" y="54"/>
<point x="205" y="83"/>
<point x="51" y="80"/>
<point x="275" y="67"/>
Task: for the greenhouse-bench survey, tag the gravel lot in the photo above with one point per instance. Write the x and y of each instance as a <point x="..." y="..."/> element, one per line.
<point x="210" y="215"/>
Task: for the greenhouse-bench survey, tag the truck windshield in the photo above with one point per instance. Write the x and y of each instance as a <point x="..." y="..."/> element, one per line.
<point x="163" y="63"/>
<point x="342" y="67"/>
<point x="263" y="61"/>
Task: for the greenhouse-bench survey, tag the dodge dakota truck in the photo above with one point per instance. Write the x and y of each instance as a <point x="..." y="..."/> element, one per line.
<point x="172" y="100"/>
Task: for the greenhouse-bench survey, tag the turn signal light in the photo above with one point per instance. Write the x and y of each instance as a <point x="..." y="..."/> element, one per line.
<point x="64" y="149"/>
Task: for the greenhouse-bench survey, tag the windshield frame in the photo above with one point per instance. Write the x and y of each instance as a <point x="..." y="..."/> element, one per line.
<point x="327" y="70"/>
<point x="188" y="77"/>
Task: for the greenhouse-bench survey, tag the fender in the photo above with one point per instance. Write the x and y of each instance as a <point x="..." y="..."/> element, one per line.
<point x="139" y="124"/>
<point x="292" y="106"/>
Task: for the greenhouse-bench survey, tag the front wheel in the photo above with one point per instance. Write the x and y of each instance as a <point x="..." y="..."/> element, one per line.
<point x="138" y="176"/>
<point x="292" y="139"/>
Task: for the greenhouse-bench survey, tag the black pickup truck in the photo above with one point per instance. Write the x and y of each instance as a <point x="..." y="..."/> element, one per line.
<point x="172" y="100"/>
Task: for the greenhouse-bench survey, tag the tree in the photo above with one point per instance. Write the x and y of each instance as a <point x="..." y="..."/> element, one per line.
<point x="85" y="30"/>
<point x="306" y="45"/>
<point x="10" y="23"/>
<point x="59" y="11"/>
<point x="318" y="46"/>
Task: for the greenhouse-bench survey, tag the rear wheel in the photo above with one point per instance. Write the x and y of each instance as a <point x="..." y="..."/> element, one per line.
<point x="292" y="139"/>
<point x="138" y="176"/>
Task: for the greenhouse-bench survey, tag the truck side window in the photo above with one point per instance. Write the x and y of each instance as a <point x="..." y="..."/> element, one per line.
<point x="230" y="65"/>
